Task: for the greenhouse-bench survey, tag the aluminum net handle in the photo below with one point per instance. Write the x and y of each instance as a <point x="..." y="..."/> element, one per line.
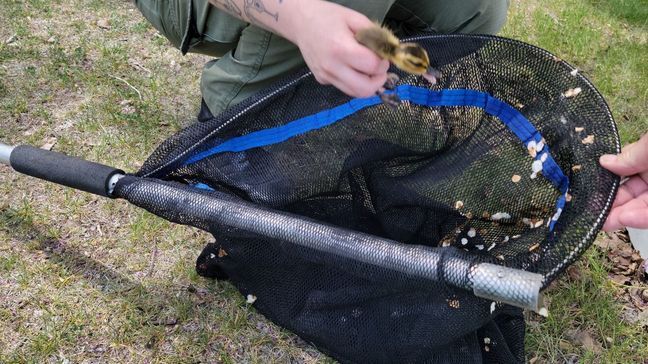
<point x="515" y="287"/>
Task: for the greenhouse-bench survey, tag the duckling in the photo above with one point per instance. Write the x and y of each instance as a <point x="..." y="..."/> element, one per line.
<point x="409" y="57"/>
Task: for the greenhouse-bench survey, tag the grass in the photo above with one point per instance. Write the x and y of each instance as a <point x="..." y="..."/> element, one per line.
<point x="84" y="279"/>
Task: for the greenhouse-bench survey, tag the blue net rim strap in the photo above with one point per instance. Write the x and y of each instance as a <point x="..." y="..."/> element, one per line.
<point x="511" y="117"/>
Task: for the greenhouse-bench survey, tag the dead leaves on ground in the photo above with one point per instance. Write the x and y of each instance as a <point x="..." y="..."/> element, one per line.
<point x="627" y="270"/>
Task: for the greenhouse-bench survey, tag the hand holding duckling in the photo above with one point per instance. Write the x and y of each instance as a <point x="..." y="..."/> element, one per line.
<point x="326" y="39"/>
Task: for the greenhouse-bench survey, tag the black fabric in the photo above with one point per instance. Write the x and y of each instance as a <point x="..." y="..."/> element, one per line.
<point x="418" y="175"/>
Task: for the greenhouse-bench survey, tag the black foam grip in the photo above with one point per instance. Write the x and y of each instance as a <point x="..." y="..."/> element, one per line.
<point x="62" y="169"/>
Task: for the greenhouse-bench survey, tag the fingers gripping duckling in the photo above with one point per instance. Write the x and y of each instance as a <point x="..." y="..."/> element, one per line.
<point x="409" y="57"/>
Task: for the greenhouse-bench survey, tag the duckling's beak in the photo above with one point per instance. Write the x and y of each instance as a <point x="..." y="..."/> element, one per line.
<point x="432" y="75"/>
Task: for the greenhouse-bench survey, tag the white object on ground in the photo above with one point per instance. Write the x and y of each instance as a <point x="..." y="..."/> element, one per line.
<point x="639" y="239"/>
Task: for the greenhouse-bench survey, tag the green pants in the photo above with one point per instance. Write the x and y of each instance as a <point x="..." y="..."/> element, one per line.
<point x="248" y="58"/>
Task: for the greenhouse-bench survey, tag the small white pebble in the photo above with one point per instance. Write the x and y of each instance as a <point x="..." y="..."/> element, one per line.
<point x="506" y="238"/>
<point x="568" y="197"/>
<point x="543" y="312"/>
<point x="464" y="241"/>
<point x="538" y="223"/>
<point x="516" y="178"/>
<point x="492" y="308"/>
<point x="578" y="129"/>
<point x="212" y="256"/>
<point x="574" y="72"/>
<point x="572" y="92"/>
<point x="540" y="146"/>
<point x="459" y="205"/>
<point x="563" y="119"/>
<point x="516" y="236"/>
<point x="472" y="233"/>
<point x="536" y="166"/>
<point x="500" y="215"/>
<point x="251" y="298"/>
<point x="458" y="231"/>
<point x="480" y="247"/>
<point x="487" y="340"/>
<point x="491" y="247"/>
<point x="533" y="175"/>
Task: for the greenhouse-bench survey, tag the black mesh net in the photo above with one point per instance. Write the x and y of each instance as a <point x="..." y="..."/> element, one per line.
<point x="449" y="176"/>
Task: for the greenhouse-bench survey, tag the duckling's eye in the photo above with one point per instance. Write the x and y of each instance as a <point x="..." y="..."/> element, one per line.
<point x="415" y="62"/>
<point x="416" y="51"/>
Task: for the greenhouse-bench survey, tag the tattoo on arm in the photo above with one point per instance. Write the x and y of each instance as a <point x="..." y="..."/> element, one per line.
<point x="254" y="8"/>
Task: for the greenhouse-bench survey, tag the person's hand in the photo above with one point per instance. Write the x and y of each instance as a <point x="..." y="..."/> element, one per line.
<point x="325" y="35"/>
<point x="630" y="208"/>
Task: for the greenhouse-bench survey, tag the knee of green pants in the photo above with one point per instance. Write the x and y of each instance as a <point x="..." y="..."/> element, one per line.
<point x="260" y="59"/>
<point x="445" y="17"/>
<point x="193" y="25"/>
<point x="490" y="18"/>
<point x="168" y="17"/>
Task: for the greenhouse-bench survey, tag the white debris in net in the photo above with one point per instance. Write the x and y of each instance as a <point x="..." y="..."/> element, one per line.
<point x="500" y="215"/>
<point x="572" y="92"/>
<point x="472" y="233"/>
<point x="251" y="298"/>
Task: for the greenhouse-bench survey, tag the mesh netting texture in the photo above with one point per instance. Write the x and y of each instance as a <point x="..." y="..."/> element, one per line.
<point x="457" y="178"/>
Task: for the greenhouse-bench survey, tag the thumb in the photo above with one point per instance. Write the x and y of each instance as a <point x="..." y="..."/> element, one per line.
<point x="632" y="160"/>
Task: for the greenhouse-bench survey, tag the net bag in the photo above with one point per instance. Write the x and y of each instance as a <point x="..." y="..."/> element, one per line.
<point x="410" y="218"/>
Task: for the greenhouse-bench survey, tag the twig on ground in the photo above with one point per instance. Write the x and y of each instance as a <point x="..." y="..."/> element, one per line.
<point x="129" y="85"/>
<point x="153" y="259"/>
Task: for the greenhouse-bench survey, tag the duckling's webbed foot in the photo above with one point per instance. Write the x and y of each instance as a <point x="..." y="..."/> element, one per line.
<point x="432" y="75"/>
<point x="392" y="81"/>
<point x="390" y="99"/>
